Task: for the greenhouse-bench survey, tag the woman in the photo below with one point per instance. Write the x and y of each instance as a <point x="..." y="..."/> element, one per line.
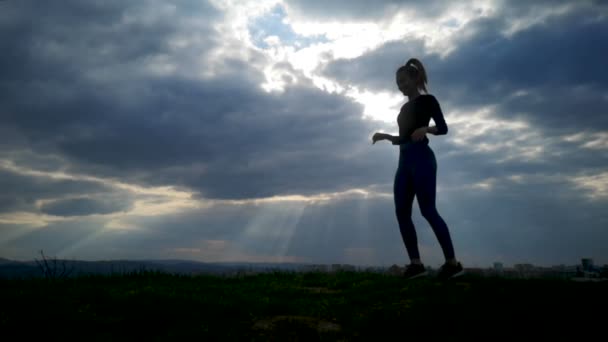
<point x="417" y="171"/>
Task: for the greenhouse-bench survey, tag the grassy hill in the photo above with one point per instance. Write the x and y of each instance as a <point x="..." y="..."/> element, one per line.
<point x="289" y="306"/>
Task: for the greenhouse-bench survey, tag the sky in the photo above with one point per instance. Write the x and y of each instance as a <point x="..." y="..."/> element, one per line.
<point x="240" y="131"/>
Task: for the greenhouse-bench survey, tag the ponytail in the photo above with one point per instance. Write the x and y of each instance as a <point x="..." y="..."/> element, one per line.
<point x="415" y="70"/>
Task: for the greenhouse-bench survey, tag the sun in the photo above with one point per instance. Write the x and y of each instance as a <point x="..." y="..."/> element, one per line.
<point x="382" y="106"/>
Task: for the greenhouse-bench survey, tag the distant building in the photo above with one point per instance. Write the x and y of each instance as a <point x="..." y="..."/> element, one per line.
<point x="604" y="272"/>
<point x="587" y="264"/>
<point x="526" y="270"/>
<point x="475" y="270"/>
<point x="342" y="267"/>
<point x="498" y="267"/>
<point x="374" y="269"/>
<point x="523" y="267"/>
<point x="315" y="268"/>
<point x="349" y="268"/>
<point x="395" y="270"/>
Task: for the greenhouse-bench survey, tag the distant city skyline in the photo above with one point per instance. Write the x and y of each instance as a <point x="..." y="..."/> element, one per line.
<point x="582" y="263"/>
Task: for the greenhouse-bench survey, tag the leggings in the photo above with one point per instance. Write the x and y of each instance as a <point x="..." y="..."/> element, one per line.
<point x="416" y="175"/>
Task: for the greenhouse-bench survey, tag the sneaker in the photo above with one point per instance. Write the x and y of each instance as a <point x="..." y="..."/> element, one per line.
<point x="448" y="271"/>
<point x="414" y="271"/>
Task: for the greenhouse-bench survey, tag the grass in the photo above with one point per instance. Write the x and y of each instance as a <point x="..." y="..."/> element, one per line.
<point x="289" y="306"/>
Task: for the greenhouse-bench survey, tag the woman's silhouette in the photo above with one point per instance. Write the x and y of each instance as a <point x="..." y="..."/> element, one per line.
<point x="417" y="170"/>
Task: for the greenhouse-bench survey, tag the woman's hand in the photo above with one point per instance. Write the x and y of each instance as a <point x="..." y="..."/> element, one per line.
<point x="379" y="136"/>
<point x="419" y="134"/>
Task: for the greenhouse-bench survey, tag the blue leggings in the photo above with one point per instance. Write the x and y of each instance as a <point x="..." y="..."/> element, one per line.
<point x="417" y="175"/>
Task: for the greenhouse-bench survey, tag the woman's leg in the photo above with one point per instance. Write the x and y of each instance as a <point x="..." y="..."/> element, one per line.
<point x="425" y="176"/>
<point x="403" y="190"/>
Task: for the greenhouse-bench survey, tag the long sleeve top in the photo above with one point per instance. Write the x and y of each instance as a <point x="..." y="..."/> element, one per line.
<point x="418" y="113"/>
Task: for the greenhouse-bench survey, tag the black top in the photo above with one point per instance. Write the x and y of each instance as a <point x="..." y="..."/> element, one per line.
<point x="418" y="113"/>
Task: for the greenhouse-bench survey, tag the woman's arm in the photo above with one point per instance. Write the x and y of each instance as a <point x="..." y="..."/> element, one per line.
<point x="441" y="127"/>
<point x="395" y="139"/>
<point x="434" y="130"/>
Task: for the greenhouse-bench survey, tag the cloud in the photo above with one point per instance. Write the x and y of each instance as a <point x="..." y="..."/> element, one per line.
<point x="341" y="10"/>
<point x="541" y="73"/>
<point x="22" y="192"/>
<point x="84" y="206"/>
<point x="222" y="135"/>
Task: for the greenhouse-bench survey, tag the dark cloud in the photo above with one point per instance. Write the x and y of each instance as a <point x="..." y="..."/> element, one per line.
<point x="223" y="136"/>
<point x="56" y="65"/>
<point x="263" y="145"/>
<point x="20" y="192"/>
<point x="72" y="37"/>
<point x="86" y="206"/>
<point x="361" y="9"/>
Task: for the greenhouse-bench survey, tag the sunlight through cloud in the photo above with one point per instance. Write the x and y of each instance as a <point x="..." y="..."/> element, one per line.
<point x="383" y="106"/>
<point x="595" y="184"/>
<point x="515" y="139"/>
<point x="275" y="223"/>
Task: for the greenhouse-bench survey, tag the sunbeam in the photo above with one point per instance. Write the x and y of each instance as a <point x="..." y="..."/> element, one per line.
<point x="71" y="250"/>
<point x="364" y="231"/>
<point x="274" y="222"/>
<point x="286" y="223"/>
<point x="21" y="224"/>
